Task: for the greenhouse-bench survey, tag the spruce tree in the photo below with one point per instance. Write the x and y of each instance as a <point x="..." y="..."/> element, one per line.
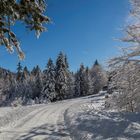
<point x="10" y="87"/>
<point x="26" y="73"/>
<point x="66" y="62"/>
<point x="35" y="71"/>
<point x="19" y="72"/>
<point x="88" y="82"/>
<point x="70" y="80"/>
<point x="80" y="83"/>
<point x="49" y="82"/>
<point x="71" y="85"/>
<point x="38" y="86"/>
<point x="36" y="77"/>
<point x="96" y="63"/>
<point x="61" y="77"/>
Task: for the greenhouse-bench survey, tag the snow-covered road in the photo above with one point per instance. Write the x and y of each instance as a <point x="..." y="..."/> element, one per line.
<point x="76" y="119"/>
<point x="42" y="122"/>
<point x="39" y="122"/>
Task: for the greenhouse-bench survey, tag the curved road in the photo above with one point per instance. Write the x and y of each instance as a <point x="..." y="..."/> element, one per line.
<point x="43" y="123"/>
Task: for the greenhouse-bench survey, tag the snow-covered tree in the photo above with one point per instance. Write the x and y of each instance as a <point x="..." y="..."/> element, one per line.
<point x="19" y="72"/>
<point x="61" y="77"/>
<point x="98" y="77"/>
<point x="48" y="90"/>
<point x="127" y="76"/>
<point x="126" y="81"/>
<point x="9" y="89"/>
<point x="80" y="82"/>
<point x="88" y="82"/>
<point x="132" y="36"/>
<point x="21" y="91"/>
<point x="35" y="71"/>
<point x="29" y="12"/>
<point x="70" y="80"/>
<point x="66" y="62"/>
<point x="36" y="77"/>
<point x="71" y="85"/>
<point x="111" y="87"/>
<point x="26" y="73"/>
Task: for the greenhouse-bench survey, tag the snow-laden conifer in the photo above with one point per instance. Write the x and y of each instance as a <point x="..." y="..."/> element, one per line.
<point x="48" y="91"/>
<point x="61" y="77"/>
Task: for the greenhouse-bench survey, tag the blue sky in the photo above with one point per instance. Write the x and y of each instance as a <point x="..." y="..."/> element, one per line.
<point x="83" y="29"/>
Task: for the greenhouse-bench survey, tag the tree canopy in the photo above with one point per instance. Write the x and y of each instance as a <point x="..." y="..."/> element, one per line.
<point x="29" y="12"/>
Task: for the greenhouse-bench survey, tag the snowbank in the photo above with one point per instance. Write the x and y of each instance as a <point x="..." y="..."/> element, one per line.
<point x="90" y="121"/>
<point x="10" y="115"/>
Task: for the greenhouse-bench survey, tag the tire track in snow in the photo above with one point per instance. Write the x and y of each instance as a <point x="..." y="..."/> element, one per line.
<point x="44" y="122"/>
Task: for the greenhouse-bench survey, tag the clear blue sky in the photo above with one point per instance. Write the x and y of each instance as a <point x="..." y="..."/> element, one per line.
<point x="83" y="29"/>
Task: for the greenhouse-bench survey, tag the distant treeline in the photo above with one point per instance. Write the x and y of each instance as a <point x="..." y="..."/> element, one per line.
<point x="54" y="83"/>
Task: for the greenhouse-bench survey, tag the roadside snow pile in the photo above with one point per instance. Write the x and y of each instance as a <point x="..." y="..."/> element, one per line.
<point x="91" y="121"/>
<point x="5" y="110"/>
<point x="10" y="115"/>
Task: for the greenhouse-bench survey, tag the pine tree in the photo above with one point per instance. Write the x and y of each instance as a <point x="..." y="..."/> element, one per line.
<point x="70" y="80"/>
<point x="19" y="72"/>
<point x="35" y="71"/>
<point x="49" y="82"/>
<point x="96" y="63"/>
<point x="77" y="84"/>
<point x="80" y="83"/>
<point x="37" y="80"/>
<point x="26" y="73"/>
<point x="61" y="77"/>
<point x="88" y="82"/>
<point x="38" y="86"/>
<point x="66" y="62"/>
<point x="71" y="85"/>
<point x="10" y="87"/>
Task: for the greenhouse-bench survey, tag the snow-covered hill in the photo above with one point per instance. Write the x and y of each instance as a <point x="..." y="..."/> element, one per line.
<point x="78" y="119"/>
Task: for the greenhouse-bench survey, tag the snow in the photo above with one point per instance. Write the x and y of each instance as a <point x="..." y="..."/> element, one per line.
<point x="10" y="115"/>
<point x="93" y="122"/>
<point x="75" y="119"/>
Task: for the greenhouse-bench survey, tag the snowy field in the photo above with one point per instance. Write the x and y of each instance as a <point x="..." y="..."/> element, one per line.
<point x="76" y="119"/>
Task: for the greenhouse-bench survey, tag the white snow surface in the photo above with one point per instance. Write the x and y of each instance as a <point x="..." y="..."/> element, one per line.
<point x="76" y="119"/>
